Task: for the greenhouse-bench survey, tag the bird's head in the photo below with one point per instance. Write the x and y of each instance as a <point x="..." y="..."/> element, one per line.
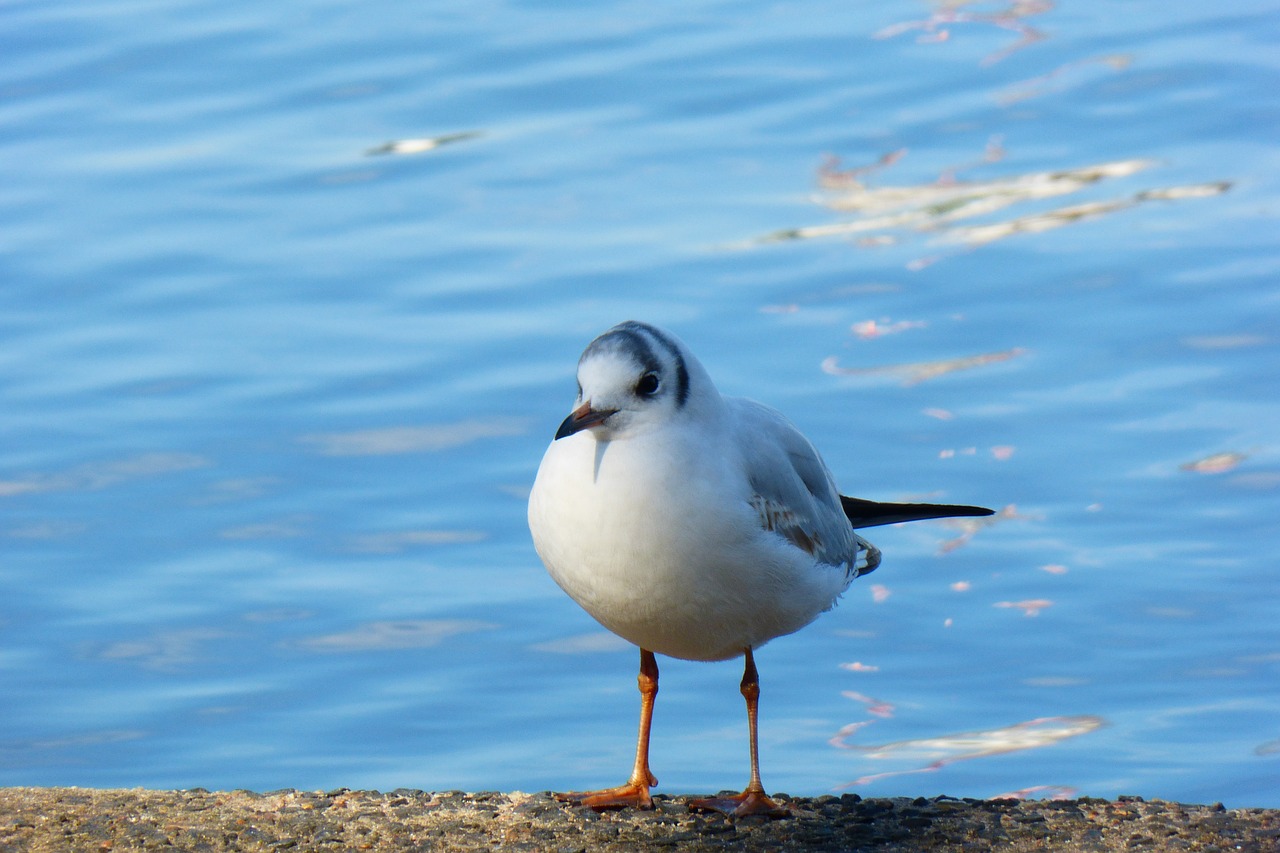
<point x="632" y="378"/>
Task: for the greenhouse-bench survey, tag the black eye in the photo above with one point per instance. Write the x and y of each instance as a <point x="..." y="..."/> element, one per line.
<point x="648" y="384"/>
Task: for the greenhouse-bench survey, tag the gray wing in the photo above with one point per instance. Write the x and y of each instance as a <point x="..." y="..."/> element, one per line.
<point x="793" y="493"/>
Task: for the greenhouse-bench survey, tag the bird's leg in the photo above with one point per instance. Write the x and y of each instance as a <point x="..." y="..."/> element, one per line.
<point x="635" y="791"/>
<point x="753" y="800"/>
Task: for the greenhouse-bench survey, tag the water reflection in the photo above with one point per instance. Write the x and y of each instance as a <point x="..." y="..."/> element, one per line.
<point x="579" y="644"/>
<point x="19" y="753"/>
<point x="289" y="528"/>
<point x="938" y="752"/>
<point x="1041" y="792"/>
<point x="1034" y="223"/>
<point x="421" y="144"/>
<point x="1051" y="82"/>
<point x="238" y="489"/>
<point x="100" y="475"/>
<point x="166" y="650"/>
<point x="1029" y="607"/>
<point x="969" y="527"/>
<point x="398" y="634"/>
<point x="922" y="371"/>
<point x="412" y="439"/>
<point x="869" y="329"/>
<point x="1215" y="463"/>
<point x="397" y="541"/>
<point x="937" y="27"/>
<point x="47" y="530"/>
<point x="938" y="206"/>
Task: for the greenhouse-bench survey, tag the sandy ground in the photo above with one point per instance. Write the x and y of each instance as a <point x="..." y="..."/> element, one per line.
<point x="81" y="819"/>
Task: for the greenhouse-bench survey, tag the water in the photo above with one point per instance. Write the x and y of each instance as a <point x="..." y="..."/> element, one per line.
<point x="273" y="393"/>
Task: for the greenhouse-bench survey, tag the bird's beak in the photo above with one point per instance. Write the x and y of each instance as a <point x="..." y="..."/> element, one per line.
<point x="582" y="417"/>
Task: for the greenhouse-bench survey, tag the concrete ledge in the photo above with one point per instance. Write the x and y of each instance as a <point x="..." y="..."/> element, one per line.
<point x="81" y="819"/>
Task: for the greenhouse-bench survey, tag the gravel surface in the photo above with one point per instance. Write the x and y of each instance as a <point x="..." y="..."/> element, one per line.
<point x="81" y="819"/>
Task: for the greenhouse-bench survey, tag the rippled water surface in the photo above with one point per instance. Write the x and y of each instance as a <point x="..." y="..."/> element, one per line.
<point x="292" y="296"/>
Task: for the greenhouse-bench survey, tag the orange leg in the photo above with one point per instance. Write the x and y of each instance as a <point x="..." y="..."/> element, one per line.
<point x="753" y="800"/>
<point x="635" y="791"/>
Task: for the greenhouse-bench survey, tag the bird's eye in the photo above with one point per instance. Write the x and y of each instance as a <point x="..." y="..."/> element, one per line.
<point x="648" y="384"/>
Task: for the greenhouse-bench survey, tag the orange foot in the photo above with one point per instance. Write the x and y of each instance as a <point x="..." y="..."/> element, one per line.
<point x="740" y="805"/>
<point x="631" y="795"/>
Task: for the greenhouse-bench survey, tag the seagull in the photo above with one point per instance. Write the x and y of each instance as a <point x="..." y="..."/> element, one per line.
<point x="693" y="525"/>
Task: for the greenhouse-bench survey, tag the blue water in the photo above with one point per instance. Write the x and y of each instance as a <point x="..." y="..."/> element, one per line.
<point x="277" y="372"/>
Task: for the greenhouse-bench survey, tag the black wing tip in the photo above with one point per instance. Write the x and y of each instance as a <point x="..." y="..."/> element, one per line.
<point x="864" y="513"/>
<point x="965" y="510"/>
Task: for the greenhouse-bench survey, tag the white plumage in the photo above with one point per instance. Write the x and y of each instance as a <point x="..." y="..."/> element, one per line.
<point x="692" y="524"/>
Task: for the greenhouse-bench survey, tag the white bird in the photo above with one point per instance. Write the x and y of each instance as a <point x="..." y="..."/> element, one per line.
<point x="693" y="525"/>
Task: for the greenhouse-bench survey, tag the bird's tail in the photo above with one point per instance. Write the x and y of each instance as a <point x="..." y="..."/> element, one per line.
<point x="868" y="559"/>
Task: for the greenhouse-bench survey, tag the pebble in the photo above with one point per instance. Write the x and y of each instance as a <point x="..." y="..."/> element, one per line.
<point x="39" y="819"/>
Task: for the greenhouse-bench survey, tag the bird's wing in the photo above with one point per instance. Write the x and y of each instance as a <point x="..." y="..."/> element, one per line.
<point x="792" y="491"/>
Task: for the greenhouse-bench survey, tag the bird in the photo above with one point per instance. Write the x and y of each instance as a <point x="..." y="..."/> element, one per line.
<point x="694" y="525"/>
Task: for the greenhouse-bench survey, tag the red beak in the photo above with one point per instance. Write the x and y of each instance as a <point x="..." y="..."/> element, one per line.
<point x="581" y="418"/>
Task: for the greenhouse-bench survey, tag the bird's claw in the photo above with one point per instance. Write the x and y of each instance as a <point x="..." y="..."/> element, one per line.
<point x="631" y="795"/>
<point x="749" y="802"/>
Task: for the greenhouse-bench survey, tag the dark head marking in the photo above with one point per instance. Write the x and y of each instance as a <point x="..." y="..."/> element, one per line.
<point x="639" y="340"/>
<point x="663" y="340"/>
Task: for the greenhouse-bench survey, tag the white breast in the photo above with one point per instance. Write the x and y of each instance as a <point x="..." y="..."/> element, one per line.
<point x="662" y="545"/>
